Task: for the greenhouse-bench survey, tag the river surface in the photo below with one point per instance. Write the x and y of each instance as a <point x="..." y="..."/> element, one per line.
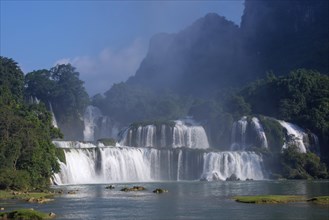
<point x="185" y="200"/>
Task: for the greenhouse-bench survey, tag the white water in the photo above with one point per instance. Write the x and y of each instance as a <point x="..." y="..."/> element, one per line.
<point x="96" y="125"/>
<point x="126" y="164"/>
<point x="260" y="132"/>
<point x="189" y="136"/>
<point x="238" y="136"/>
<point x="296" y="136"/>
<point x="221" y="165"/>
<point x="90" y="119"/>
<point x="54" y="121"/>
<point x="181" y="135"/>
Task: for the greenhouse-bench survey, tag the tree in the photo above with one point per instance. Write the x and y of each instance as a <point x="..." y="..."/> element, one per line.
<point x="27" y="155"/>
<point x="11" y="78"/>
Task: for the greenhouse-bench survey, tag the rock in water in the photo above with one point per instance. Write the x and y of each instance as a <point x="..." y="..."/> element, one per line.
<point x="233" y="177"/>
<point x="160" y="191"/>
<point x="110" y="187"/>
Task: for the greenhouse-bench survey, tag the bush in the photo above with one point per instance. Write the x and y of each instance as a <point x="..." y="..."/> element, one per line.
<point x="107" y="141"/>
<point x="14" y="179"/>
<point x="296" y="165"/>
<point x="60" y="154"/>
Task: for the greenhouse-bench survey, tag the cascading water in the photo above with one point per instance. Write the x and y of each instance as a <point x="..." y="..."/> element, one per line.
<point x="54" y="121"/>
<point x="189" y="136"/>
<point x="90" y="119"/>
<point x="176" y="150"/>
<point x="96" y="125"/>
<point x="260" y="132"/>
<point x="221" y="165"/>
<point x="295" y="136"/>
<point x="98" y="164"/>
<point x="180" y="134"/>
<point x="238" y="135"/>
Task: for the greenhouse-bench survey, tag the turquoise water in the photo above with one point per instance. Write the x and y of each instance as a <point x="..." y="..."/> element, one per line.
<point x="185" y="200"/>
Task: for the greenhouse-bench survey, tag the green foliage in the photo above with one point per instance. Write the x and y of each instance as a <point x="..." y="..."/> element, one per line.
<point x="60" y="86"/>
<point x="269" y="199"/>
<point x="274" y="133"/>
<point x="130" y="103"/>
<point x="297" y="165"/>
<point x="237" y="106"/>
<point x="27" y="155"/>
<point x="107" y="141"/>
<point x="301" y="97"/>
<point x="60" y="154"/>
<point x="25" y="214"/>
<point x="11" y="79"/>
<point x="14" y="179"/>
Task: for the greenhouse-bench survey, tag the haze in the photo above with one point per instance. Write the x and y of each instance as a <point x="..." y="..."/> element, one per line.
<point x="104" y="40"/>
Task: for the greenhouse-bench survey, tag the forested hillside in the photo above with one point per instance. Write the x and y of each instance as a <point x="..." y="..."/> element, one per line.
<point x="214" y="53"/>
<point x="27" y="155"/>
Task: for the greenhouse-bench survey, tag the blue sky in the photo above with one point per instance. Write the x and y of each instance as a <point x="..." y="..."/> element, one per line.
<point x="104" y="40"/>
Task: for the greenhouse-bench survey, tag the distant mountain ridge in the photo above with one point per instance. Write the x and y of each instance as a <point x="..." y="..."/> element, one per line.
<point x="214" y="53"/>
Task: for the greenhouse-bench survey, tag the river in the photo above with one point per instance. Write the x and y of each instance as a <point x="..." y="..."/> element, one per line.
<point x="185" y="200"/>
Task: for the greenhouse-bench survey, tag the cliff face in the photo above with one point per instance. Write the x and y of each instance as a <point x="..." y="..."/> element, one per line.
<point x="214" y="53"/>
<point x="286" y="35"/>
<point x="202" y="55"/>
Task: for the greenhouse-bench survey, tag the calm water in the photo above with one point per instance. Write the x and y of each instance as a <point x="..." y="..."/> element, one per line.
<point x="185" y="200"/>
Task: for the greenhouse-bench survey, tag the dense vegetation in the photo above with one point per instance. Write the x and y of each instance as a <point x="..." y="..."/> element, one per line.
<point x="61" y="88"/>
<point x="127" y="104"/>
<point x="198" y="72"/>
<point x="301" y="97"/>
<point x="27" y="155"/>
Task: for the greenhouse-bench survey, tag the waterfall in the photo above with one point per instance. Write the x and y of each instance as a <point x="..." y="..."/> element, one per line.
<point x="189" y="136"/>
<point x="260" y="132"/>
<point x="238" y="135"/>
<point x="295" y="136"/>
<point x="90" y="119"/>
<point x="180" y="134"/>
<point x="96" y="125"/>
<point x="88" y="163"/>
<point x="221" y="165"/>
<point x="54" y="121"/>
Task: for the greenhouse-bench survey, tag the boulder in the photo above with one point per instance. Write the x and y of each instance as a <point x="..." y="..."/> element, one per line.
<point x="110" y="187"/>
<point x="233" y="177"/>
<point x="52" y="215"/>
<point x="134" y="188"/>
<point x="160" y="191"/>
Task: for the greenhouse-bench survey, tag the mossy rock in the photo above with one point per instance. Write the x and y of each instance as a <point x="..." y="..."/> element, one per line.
<point x="107" y="141"/>
<point x="26" y="214"/>
<point x="158" y="191"/>
<point x="320" y="200"/>
<point x="5" y="194"/>
<point x="269" y="199"/>
<point x="134" y="188"/>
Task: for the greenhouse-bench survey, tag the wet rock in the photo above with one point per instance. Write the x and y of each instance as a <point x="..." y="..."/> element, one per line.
<point x="233" y="177"/>
<point x="134" y="188"/>
<point x="51" y="215"/>
<point x="110" y="187"/>
<point x="160" y="190"/>
<point x="39" y="200"/>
